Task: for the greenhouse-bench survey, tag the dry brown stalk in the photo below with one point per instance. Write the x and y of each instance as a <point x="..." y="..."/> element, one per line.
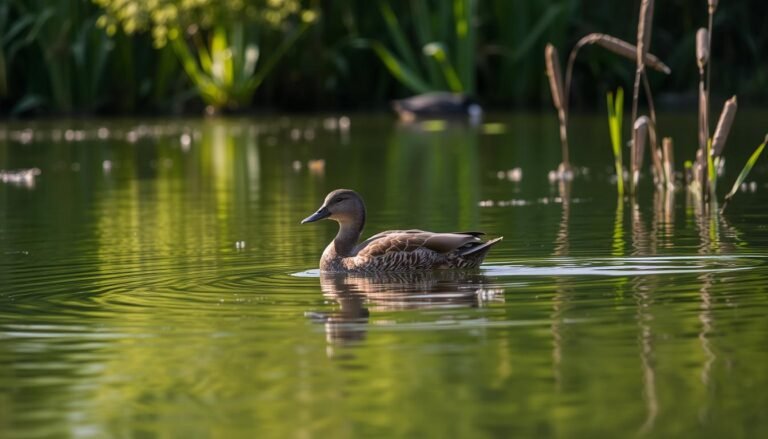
<point x="640" y="131"/>
<point x="558" y="98"/>
<point x="712" y="6"/>
<point x="702" y="49"/>
<point x="644" y="28"/>
<point x="703" y="122"/>
<point x="655" y="151"/>
<point x="615" y="45"/>
<point x="724" y="126"/>
<point x="669" y="161"/>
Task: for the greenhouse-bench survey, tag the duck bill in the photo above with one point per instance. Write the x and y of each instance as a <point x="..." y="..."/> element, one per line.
<point x="322" y="213"/>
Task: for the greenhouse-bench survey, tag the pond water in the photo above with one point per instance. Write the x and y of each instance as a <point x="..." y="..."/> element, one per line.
<point x="155" y="282"/>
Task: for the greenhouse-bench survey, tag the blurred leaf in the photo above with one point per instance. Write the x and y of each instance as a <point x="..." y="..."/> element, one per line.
<point x="399" y="70"/>
<point x="28" y="103"/>
<point x="745" y="171"/>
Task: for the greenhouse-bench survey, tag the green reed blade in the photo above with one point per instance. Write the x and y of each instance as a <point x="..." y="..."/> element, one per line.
<point x="615" y="118"/>
<point x="745" y="171"/>
<point x="400" y="69"/>
<point x="711" y="170"/>
<point x="398" y="36"/>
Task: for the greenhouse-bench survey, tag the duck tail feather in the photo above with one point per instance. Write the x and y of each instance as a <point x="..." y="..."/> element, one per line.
<point x="482" y="248"/>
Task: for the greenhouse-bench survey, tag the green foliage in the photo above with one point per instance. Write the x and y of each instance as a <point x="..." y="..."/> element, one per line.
<point x="615" y="119"/>
<point x="711" y="170"/>
<point x="219" y="43"/>
<point x="74" y="53"/>
<point x="512" y="42"/>
<point x="53" y="58"/>
<point x="446" y="39"/>
<point x="745" y="171"/>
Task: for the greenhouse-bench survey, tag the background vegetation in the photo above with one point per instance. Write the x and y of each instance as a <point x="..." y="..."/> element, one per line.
<point x="120" y="56"/>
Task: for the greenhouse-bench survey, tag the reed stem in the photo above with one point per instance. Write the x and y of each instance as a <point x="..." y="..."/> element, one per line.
<point x="559" y="100"/>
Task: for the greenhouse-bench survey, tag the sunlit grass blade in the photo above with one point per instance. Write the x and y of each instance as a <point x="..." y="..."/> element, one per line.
<point x="423" y="28"/>
<point x="615" y="119"/>
<point x="711" y="171"/>
<point x="400" y="70"/>
<point x="438" y="53"/>
<point x="398" y="36"/>
<point x="464" y="14"/>
<point x="745" y="171"/>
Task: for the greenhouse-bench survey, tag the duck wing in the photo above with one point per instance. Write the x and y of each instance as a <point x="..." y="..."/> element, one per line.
<point x="411" y="240"/>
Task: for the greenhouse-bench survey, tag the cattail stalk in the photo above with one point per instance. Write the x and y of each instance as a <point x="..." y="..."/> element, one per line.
<point x="669" y="162"/>
<point x="711" y="8"/>
<point x="644" y="26"/>
<point x="724" y="126"/>
<point x="558" y="98"/>
<point x="702" y="49"/>
<point x="639" y="133"/>
<point x="702" y="60"/>
<point x="703" y="134"/>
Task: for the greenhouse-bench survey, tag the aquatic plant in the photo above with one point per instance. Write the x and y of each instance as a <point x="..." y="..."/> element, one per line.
<point x="62" y="36"/>
<point x="615" y="119"/>
<point x="446" y="37"/>
<point x="560" y="94"/>
<point x="744" y="172"/>
<point x="219" y="44"/>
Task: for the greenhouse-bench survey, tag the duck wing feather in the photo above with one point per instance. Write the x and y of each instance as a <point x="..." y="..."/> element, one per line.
<point x="411" y="240"/>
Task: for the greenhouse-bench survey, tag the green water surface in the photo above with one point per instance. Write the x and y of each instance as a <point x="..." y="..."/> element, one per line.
<point x="155" y="282"/>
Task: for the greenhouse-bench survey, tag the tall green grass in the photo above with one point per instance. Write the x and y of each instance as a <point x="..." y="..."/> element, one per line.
<point x="744" y="172"/>
<point x="443" y="54"/>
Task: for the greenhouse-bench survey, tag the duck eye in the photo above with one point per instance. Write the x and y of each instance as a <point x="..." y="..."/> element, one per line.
<point x="339" y="200"/>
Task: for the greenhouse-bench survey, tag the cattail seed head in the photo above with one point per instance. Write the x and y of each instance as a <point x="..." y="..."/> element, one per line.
<point x="724" y="126"/>
<point x="555" y="76"/>
<point x="644" y="27"/>
<point x="641" y="134"/>
<point x="702" y="48"/>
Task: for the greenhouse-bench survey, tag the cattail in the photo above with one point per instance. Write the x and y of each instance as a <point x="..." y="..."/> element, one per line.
<point x="724" y="126"/>
<point x="623" y="48"/>
<point x="638" y="146"/>
<point x="669" y="161"/>
<point x="703" y="122"/>
<point x="700" y="169"/>
<point x="615" y="45"/>
<point x="702" y="48"/>
<point x="555" y="76"/>
<point x="655" y="151"/>
<point x="644" y="28"/>
<point x="558" y="98"/>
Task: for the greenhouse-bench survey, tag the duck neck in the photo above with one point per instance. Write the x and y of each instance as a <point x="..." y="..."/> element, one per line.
<point x="349" y="234"/>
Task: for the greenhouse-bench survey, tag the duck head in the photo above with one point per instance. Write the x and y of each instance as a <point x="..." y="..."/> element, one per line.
<point x="344" y="206"/>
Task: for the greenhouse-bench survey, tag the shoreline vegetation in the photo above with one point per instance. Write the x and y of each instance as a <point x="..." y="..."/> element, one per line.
<point x="701" y="175"/>
<point x="128" y="57"/>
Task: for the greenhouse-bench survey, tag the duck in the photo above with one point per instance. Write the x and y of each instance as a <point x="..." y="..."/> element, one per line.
<point x="437" y="104"/>
<point x="392" y="250"/>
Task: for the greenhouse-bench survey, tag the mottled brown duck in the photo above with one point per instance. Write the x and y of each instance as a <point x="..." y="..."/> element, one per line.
<point x="393" y="250"/>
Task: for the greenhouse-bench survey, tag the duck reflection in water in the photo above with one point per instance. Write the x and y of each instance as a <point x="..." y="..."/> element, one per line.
<point x="358" y="294"/>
